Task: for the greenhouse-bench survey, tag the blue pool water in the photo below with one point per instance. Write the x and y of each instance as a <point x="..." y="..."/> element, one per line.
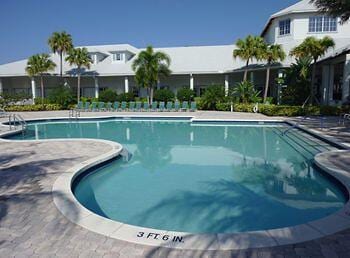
<point x="203" y="177"/>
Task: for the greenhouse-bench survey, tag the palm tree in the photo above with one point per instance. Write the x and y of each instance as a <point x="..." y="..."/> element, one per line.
<point x="60" y="43"/>
<point x="272" y="54"/>
<point x="80" y="58"/>
<point x="247" y="49"/>
<point x="245" y="92"/>
<point x="314" y="48"/>
<point x="149" y="66"/>
<point x="37" y="65"/>
<point x="335" y="8"/>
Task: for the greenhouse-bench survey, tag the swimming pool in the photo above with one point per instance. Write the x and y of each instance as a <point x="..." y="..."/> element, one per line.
<point x="202" y="177"/>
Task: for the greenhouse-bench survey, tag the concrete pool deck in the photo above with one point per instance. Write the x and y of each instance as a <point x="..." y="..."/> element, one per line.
<point x="30" y="224"/>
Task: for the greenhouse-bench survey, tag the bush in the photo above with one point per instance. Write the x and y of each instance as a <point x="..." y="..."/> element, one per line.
<point x="45" y="107"/>
<point x="39" y="101"/>
<point x="88" y="99"/>
<point x="223" y="106"/>
<point x="164" y="95"/>
<point x="11" y="98"/>
<point x="62" y="96"/>
<point x="185" y="94"/>
<point x="108" y="95"/>
<point x="126" y="97"/>
<point x="213" y="95"/>
<point x="243" y="107"/>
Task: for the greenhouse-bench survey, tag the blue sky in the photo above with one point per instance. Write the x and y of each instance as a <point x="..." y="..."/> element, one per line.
<point x="25" y="25"/>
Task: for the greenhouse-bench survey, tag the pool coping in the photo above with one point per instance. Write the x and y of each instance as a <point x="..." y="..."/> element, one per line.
<point x="70" y="207"/>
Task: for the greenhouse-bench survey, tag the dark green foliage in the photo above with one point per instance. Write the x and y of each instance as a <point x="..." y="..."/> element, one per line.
<point x="108" y="95"/>
<point x="212" y="96"/>
<point x="44" y="107"/>
<point x="185" y="94"/>
<point x="245" y="92"/>
<point x="61" y="95"/>
<point x="126" y="97"/>
<point x="164" y="95"/>
<point x="7" y="98"/>
<point x="336" y="8"/>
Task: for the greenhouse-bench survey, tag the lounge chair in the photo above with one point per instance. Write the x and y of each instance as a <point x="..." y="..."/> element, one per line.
<point x="87" y="106"/>
<point x="145" y="106"/>
<point x="94" y="106"/>
<point x="101" y="106"/>
<point x="80" y="106"/>
<point x="184" y="106"/>
<point x="193" y="106"/>
<point x="177" y="106"/>
<point x="123" y="106"/>
<point x="138" y="106"/>
<point x="131" y="106"/>
<point x="116" y="106"/>
<point x="109" y="106"/>
<point x="154" y="106"/>
<point x="169" y="106"/>
<point x="161" y="106"/>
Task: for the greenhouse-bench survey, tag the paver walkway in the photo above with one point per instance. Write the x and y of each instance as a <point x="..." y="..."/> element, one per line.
<point x="31" y="226"/>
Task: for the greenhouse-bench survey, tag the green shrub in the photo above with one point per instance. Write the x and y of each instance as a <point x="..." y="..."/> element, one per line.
<point x="126" y="97"/>
<point x="185" y="94"/>
<point x="245" y="92"/>
<point x="243" y="107"/>
<point x="88" y="99"/>
<point x="164" y="95"/>
<point x="61" y="95"/>
<point x="45" y="107"/>
<point x="213" y="94"/>
<point x="223" y="106"/>
<point x="39" y="101"/>
<point x="108" y="95"/>
<point x="8" y="98"/>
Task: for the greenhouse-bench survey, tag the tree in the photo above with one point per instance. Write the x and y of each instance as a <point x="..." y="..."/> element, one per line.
<point x="335" y="8"/>
<point x="148" y="67"/>
<point x="245" y="92"/>
<point x="247" y="49"/>
<point x="314" y="48"/>
<point x="80" y="58"/>
<point x="38" y="65"/>
<point x="272" y="54"/>
<point x="60" y="43"/>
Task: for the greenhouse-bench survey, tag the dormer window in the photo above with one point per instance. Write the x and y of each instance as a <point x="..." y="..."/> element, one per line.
<point x="322" y="24"/>
<point x="117" y="57"/>
<point x="93" y="58"/>
<point x="284" y="27"/>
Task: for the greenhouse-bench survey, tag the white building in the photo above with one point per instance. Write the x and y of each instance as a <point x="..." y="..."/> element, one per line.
<point x="198" y="67"/>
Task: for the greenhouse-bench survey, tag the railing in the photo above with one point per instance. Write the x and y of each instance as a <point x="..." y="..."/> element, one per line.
<point x="293" y="126"/>
<point x="14" y="120"/>
<point x="74" y="113"/>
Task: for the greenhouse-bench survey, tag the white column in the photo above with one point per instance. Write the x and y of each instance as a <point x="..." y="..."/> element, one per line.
<point x="226" y="84"/>
<point x="33" y="89"/>
<point x="191" y="82"/>
<point x="346" y="76"/>
<point x="126" y="84"/>
<point x="279" y="87"/>
<point x="1" y="87"/>
<point x="325" y="84"/>
<point x="97" y="88"/>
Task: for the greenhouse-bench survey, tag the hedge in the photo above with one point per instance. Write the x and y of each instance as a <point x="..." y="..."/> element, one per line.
<point x="45" y="107"/>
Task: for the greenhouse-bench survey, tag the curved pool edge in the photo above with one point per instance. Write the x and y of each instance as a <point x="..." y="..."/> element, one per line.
<point x="70" y="207"/>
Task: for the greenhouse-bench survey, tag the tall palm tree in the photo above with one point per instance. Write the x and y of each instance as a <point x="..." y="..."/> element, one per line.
<point x="336" y="8"/>
<point x="314" y="48"/>
<point x="60" y="43"/>
<point x="272" y="54"/>
<point x="149" y="66"/>
<point x="247" y="49"/>
<point x="81" y="59"/>
<point x="38" y="65"/>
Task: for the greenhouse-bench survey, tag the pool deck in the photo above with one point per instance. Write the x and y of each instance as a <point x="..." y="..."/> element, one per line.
<point x="32" y="226"/>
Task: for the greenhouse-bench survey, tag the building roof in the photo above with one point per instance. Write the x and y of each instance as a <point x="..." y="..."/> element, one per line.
<point x="303" y="6"/>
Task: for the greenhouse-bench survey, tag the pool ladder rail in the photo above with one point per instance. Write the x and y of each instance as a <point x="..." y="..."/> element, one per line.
<point x="16" y="119"/>
<point x="74" y="113"/>
<point x="296" y="124"/>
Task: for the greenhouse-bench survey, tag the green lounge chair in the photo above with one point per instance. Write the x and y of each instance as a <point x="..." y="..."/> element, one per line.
<point x="87" y="106"/>
<point x="94" y="106"/>
<point x="184" y="106"/>
<point x="169" y="106"/>
<point x="154" y="106"/>
<point x="193" y="106"/>
<point x="177" y="106"/>
<point x="123" y="106"/>
<point x="161" y="106"/>
<point x="80" y="106"/>
<point x="109" y="106"/>
<point x="101" y="106"/>
<point x="145" y="106"/>
<point x="116" y="106"/>
<point x="131" y="106"/>
<point x="138" y="106"/>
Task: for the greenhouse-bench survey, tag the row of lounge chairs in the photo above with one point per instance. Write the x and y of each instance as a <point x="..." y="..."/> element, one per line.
<point x="137" y="106"/>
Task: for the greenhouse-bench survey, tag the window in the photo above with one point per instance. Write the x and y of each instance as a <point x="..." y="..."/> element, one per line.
<point x="322" y="24"/>
<point x="284" y="26"/>
<point x="93" y="58"/>
<point x="117" y="57"/>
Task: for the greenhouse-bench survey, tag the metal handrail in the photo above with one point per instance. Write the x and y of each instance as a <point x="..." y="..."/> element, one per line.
<point x="294" y="126"/>
<point x="74" y="113"/>
<point x="16" y="118"/>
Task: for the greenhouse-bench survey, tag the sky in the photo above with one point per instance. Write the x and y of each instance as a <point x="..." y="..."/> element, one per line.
<point x="25" y="25"/>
